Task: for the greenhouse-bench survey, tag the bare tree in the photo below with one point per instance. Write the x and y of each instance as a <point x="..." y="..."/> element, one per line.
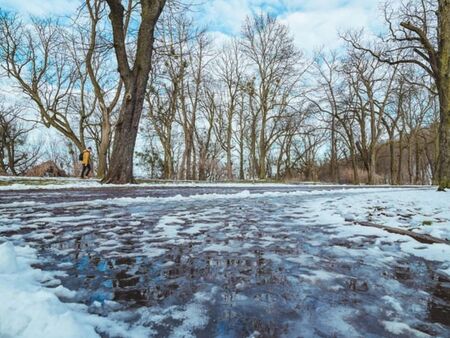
<point x="97" y="53"/>
<point x="192" y="80"/>
<point x="204" y="135"/>
<point x="231" y="71"/>
<point x="420" y="35"/>
<point x="16" y="157"/>
<point x="372" y="86"/>
<point x="163" y="94"/>
<point x="134" y="78"/>
<point x="275" y="60"/>
<point x="34" y="56"/>
<point x="325" y="99"/>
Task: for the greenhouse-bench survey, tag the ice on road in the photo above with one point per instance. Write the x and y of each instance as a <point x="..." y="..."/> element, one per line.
<point x="224" y="261"/>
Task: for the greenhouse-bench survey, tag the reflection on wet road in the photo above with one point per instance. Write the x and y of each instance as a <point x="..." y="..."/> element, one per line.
<point x="224" y="265"/>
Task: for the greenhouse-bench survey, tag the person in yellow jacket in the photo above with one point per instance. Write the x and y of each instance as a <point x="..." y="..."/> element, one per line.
<point x="86" y="162"/>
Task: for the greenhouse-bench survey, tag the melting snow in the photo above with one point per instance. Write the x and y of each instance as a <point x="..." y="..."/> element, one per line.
<point x="270" y="262"/>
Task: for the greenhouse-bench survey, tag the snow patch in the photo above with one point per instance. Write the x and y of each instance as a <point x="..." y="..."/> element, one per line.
<point x="27" y="308"/>
<point x="402" y="328"/>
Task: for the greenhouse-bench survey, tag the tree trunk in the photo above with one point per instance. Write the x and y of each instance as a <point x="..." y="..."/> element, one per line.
<point x="372" y="166"/>
<point x="254" y="166"/>
<point x="103" y="149"/>
<point x="2" y="166"/>
<point x="400" y="158"/>
<point x="262" y="149"/>
<point x="444" y="135"/>
<point x="354" y="165"/>
<point x="168" y="161"/>
<point x="417" y="161"/>
<point x="135" y="81"/>
<point x="333" y="160"/>
<point x="121" y="167"/>
<point x="392" y="157"/>
<point x="202" y="163"/>
<point x="443" y="82"/>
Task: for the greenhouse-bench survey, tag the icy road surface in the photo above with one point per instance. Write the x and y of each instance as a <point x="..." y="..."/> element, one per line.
<point x="223" y="261"/>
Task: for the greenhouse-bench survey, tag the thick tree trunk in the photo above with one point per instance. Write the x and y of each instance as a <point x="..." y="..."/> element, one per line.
<point x="444" y="135"/>
<point x="135" y="81"/>
<point x="168" y="161"/>
<point x="2" y="166"/>
<point x="103" y="150"/>
<point x="121" y="167"/>
<point x="443" y="82"/>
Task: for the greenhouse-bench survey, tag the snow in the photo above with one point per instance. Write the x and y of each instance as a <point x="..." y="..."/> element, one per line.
<point x="393" y="303"/>
<point x="28" y="308"/>
<point x="220" y="248"/>
<point x="8" y="260"/>
<point x="399" y="208"/>
<point x="445" y="271"/>
<point x="399" y="328"/>
<point x="433" y="252"/>
<point x="402" y="208"/>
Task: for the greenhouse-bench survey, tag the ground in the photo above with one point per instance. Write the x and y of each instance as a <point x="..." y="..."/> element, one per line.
<point x="84" y="260"/>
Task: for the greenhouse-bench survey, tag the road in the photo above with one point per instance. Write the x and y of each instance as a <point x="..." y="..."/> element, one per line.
<point x="227" y="262"/>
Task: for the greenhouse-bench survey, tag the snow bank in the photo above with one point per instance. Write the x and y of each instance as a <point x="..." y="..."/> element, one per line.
<point x="424" y="211"/>
<point x="401" y="208"/>
<point x="28" y="308"/>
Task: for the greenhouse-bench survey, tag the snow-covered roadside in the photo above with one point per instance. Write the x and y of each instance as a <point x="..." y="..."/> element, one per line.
<point x="421" y="211"/>
<point x="28" y="309"/>
<point x="75" y="183"/>
<point x="26" y="183"/>
<point x="17" y="183"/>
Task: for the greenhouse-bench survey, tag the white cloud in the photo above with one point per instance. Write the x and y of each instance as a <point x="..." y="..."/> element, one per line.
<point x="313" y="23"/>
<point x="41" y="7"/>
<point x="320" y="28"/>
<point x="226" y="15"/>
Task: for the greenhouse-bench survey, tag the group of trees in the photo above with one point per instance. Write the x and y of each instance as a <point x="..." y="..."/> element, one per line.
<point x="16" y="156"/>
<point x="253" y="108"/>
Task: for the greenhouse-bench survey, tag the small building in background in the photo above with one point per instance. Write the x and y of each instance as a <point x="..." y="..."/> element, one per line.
<point x="46" y="169"/>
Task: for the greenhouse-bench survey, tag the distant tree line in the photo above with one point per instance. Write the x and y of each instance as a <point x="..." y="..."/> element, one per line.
<point x="375" y="111"/>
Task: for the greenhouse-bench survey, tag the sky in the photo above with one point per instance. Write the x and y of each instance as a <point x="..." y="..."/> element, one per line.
<point x="313" y="23"/>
